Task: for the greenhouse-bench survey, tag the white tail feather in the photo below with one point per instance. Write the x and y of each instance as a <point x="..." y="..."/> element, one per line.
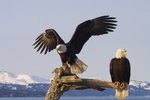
<point x="121" y="93"/>
<point x="78" y="67"/>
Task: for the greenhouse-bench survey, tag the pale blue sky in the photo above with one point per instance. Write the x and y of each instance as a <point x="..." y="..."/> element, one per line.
<point x="21" y="21"/>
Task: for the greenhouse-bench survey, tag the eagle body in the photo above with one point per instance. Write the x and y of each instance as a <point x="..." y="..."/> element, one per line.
<point x="120" y="73"/>
<point x="68" y="51"/>
<point x="120" y="70"/>
<point x="67" y="58"/>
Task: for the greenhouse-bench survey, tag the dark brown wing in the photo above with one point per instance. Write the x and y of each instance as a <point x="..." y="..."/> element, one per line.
<point x="47" y="41"/>
<point x="111" y="69"/>
<point x="125" y="70"/>
<point x="97" y="26"/>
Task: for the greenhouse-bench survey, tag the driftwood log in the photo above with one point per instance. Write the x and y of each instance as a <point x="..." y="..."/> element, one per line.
<point x="64" y="81"/>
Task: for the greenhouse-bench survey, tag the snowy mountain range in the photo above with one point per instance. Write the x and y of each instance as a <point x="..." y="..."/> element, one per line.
<point x="22" y="79"/>
<point x="140" y="84"/>
<point x="26" y="85"/>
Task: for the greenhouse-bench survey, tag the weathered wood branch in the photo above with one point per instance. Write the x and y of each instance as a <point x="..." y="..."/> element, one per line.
<point x="64" y="81"/>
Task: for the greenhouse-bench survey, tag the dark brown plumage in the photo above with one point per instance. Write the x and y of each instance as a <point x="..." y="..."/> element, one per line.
<point x="120" y="73"/>
<point x="120" y="70"/>
<point x="50" y="39"/>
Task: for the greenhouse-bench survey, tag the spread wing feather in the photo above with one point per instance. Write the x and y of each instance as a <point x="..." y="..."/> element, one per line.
<point x="47" y="41"/>
<point x="97" y="26"/>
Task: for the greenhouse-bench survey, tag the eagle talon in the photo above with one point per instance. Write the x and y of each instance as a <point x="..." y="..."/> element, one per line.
<point x="65" y="64"/>
<point x="122" y="85"/>
<point x="117" y="84"/>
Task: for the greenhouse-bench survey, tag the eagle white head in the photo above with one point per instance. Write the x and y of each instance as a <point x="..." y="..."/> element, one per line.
<point x="121" y="53"/>
<point x="61" y="48"/>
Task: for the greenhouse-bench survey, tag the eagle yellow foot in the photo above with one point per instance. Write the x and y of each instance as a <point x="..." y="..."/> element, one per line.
<point x="122" y="85"/>
<point x="117" y="84"/>
<point x="65" y="64"/>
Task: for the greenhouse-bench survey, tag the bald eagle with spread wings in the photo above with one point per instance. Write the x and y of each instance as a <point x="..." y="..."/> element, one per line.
<point x="50" y="40"/>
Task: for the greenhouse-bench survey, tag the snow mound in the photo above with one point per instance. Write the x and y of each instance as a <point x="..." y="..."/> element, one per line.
<point x="6" y="77"/>
<point x="140" y="84"/>
<point x="25" y="78"/>
<point x="22" y="79"/>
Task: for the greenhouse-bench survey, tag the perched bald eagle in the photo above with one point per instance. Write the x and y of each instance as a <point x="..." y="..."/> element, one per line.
<point x="120" y="73"/>
<point x="50" y="40"/>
